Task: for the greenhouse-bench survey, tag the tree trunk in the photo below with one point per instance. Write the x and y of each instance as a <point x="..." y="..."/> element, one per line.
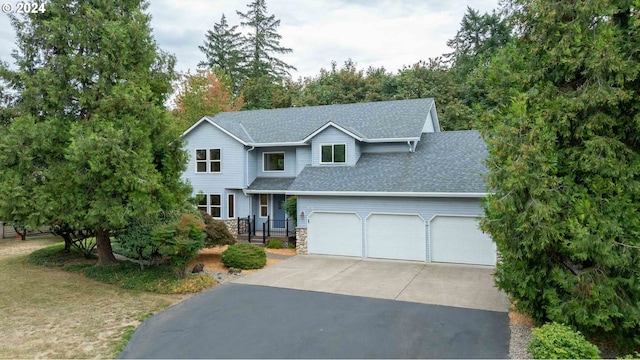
<point x="105" y="253"/>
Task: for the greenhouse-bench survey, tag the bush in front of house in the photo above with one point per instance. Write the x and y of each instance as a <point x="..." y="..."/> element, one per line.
<point x="244" y="256"/>
<point x="275" y="244"/>
<point x="180" y="241"/>
<point x="216" y="232"/>
<point x="557" y="341"/>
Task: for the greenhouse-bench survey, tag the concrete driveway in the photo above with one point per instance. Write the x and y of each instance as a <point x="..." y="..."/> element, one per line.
<point x="465" y="286"/>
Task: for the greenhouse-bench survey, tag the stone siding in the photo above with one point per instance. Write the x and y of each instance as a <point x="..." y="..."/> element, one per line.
<point x="232" y="226"/>
<point x="301" y="241"/>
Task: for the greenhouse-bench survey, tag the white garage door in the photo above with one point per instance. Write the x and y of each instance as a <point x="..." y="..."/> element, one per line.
<point x="460" y="240"/>
<point x="334" y="234"/>
<point x="394" y="236"/>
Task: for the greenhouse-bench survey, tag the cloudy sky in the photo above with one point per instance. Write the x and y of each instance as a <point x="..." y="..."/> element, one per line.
<point x="389" y="33"/>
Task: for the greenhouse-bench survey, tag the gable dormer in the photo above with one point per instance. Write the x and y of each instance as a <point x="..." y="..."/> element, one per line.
<point x="332" y="145"/>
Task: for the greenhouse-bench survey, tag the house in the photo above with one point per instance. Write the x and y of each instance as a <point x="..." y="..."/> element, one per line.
<point x="373" y="180"/>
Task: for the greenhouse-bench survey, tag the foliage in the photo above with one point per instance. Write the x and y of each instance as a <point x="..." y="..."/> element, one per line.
<point x="263" y="43"/>
<point x="346" y="85"/>
<point x="265" y="92"/>
<point x="136" y="240"/>
<point x="157" y="279"/>
<point x="556" y="341"/>
<point x="180" y="240"/>
<point x="54" y="255"/>
<point x="205" y="93"/>
<point x="564" y="162"/>
<point x="291" y="208"/>
<point x="244" y="256"/>
<point x="275" y="244"/>
<point x="216" y="232"/>
<point x="635" y="355"/>
<point x="223" y="50"/>
<point x="92" y="144"/>
<point x="125" y="274"/>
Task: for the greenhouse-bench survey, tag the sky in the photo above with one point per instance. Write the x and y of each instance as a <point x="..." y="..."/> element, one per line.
<point x="387" y="33"/>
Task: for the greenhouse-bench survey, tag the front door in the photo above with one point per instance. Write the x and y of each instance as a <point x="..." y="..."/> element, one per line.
<point x="278" y="211"/>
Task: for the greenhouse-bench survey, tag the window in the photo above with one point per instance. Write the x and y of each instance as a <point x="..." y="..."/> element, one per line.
<point x="231" y="206"/>
<point x="208" y="160"/>
<point x="264" y="205"/>
<point x="331" y="154"/>
<point x="273" y="161"/>
<point x="211" y="204"/>
<point x="216" y="206"/>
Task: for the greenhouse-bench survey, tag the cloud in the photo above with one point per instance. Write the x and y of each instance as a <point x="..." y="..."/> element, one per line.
<point x="389" y="33"/>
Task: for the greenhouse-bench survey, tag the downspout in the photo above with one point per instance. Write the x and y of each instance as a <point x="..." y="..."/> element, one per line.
<point x="411" y="148"/>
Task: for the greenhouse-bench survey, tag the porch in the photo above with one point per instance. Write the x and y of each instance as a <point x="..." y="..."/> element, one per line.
<point x="269" y="229"/>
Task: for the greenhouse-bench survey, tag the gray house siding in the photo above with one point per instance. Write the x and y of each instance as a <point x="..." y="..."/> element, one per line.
<point x="427" y="208"/>
<point x="232" y="165"/>
<point x="289" y="162"/>
<point x="252" y="167"/>
<point x="303" y="158"/>
<point x="385" y="147"/>
<point x="332" y="135"/>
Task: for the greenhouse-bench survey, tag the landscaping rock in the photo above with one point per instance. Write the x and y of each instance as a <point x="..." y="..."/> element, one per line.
<point x="198" y="268"/>
<point x="233" y="270"/>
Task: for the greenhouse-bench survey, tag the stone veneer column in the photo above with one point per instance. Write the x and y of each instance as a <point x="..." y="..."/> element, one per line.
<point x="301" y="241"/>
<point x="232" y="226"/>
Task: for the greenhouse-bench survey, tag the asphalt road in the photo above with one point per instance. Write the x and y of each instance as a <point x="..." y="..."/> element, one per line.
<point x="248" y="321"/>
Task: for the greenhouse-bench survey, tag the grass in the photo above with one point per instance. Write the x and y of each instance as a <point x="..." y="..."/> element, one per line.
<point x="125" y="274"/>
<point x="51" y="313"/>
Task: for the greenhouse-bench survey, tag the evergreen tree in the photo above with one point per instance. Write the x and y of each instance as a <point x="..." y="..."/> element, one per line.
<point x="564" y="161"/>
<point x="91" y="145"/>
<point x="263" y="43"/>
<point x="223" y="50"/>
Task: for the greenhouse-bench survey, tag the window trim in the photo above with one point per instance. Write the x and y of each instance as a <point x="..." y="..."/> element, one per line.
<point x="207" y="160"/>
<point x="231" y="206"/>
<point x="208" y="206"/>
<point x="284" y="161"/>
<point x="261" y="205"/>
<point x="333" y="154"/>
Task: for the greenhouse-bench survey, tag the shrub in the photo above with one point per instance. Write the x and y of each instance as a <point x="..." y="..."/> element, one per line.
<point x="216" y="232"/>
<point x="244" y="256"/>
<point x="136" y="240"/>
<point x="54" y="255"/>
<point x="275" y="244"/>
<point x="180" y="240"/>
<point x="556" y="341"/>
<point x="291" y="208"/>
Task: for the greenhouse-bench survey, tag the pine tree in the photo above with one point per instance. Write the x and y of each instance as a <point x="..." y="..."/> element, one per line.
<point x="92" y="145"/>
<point x="263" y="43"/>
<point x="564" y="160"/>
<point x="223" y="50"/>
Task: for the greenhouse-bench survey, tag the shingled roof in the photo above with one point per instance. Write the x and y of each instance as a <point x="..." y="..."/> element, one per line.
<point x="444" y="162"/>
<point x="397" y="119"/>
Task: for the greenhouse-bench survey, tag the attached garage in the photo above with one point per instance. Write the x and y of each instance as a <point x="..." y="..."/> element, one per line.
<point x="396" y="236"/>
<point x="334" y="233"/>
<point x="457" y="239"/>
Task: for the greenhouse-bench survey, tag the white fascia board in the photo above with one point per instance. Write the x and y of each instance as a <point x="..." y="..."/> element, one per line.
<point x="217" y="126"/>
<point x="264" y="191"/>
<point x="392" y="140"/>
<point x="389" y="194"/>
<point x="282" y="144"/>
<point x="331" y="123"/>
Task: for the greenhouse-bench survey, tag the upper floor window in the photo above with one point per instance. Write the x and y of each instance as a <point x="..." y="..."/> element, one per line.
<point x="333" y="154"/>
<point x="273" y="161"/>
<point x="208" y="160"/>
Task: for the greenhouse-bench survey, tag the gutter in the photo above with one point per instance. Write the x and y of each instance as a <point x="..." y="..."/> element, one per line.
<point x="390" y="194"/>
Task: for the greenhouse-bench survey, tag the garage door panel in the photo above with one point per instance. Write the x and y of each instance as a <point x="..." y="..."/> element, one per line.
<point x="330" y="233"/>
<point x="394" y="236"/>
<point x="460" y="240"/>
